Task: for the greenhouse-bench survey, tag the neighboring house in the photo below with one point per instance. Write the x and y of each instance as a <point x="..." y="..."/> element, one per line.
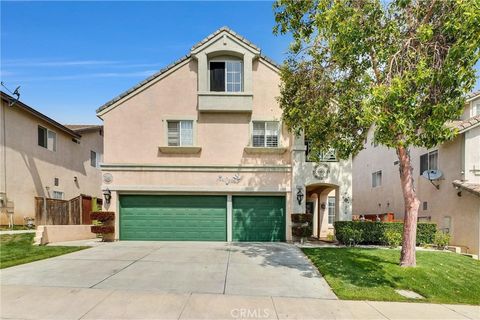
<point x="198" y="151"/>
<point x="43" y="158"/>
<point x="454" y="206"/>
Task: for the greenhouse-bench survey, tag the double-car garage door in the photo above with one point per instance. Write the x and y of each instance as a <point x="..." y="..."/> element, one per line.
<point x="201" y="218"/>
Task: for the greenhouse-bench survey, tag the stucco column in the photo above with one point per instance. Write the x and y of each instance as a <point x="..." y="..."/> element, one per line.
<point x="202" y="72"/>
<point x="248" y="72"/>
<point x="298" y="174"/>
<point x="229" y="218"/>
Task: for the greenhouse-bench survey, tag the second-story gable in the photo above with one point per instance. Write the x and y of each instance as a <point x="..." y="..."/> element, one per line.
<point x="218" y="100"/>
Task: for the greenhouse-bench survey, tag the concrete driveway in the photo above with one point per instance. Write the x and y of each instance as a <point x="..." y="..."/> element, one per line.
<point x="250" y="269"/>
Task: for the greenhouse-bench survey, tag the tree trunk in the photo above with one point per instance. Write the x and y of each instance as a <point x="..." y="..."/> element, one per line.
<point x="407" y="258"/>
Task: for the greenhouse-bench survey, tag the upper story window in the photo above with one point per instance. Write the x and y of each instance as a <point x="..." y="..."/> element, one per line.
<point x="429" y="161"/>
<point x="47" y="138"/>
<point x="58" y="195"/>
<point x="476" y="109"/>
<point x="93" y="159"/>
<point x="377" y="179"/>
<point x="265" y="134"/>
<point x="226" y="76"/>
<point x="180" y="133"/>
<point x="327" y="156"/>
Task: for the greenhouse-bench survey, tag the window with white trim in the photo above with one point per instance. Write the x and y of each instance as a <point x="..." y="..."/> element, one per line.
<point x="476" y="110"/>
<point x="226" y="76"/>
<point x="429" y="161"/>
<point x="180" y="133"/>
<point x="58" y="195"/>
<point x="377" y="179"/>
<point x="265" y="134"/>
<point x="331" y="210"/>
<point x="47" y="138"/>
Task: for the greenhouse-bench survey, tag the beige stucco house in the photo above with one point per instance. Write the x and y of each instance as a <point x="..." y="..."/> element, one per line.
<point x="43" y="158"/>
<point x="198" y="151"/>
<point x="452" y="201"/>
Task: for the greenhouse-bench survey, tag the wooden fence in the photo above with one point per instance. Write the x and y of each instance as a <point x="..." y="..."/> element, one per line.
<point x="65" y="212"/>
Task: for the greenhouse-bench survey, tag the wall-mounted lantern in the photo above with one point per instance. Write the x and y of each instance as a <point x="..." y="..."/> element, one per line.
<point x="107" y="195"/>
<point x="300" y="195"/>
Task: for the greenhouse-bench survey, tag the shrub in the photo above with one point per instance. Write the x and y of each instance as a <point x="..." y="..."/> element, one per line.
<point x="302" y="231"/>
<point x="441" y="240"/>
<point x="302" y="217"/>
<point x="352" y="236"/>
<point x="102" y="215"/>
<point x="330" y="237"/>
<point x="393" y="238"/>
<point x="102" y="229"/>
<point x="374" y="232"/>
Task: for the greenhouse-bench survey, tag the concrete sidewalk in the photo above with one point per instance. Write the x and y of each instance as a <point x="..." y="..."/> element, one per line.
<point x="28" y="302"/>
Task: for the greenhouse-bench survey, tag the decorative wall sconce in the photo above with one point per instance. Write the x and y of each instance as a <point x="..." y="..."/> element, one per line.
<point x="323" y="206"/>
<point x="107" y="195"/>
<point x="300" y="195"/>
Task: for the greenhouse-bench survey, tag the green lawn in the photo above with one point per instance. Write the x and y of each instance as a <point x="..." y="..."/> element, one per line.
<point x="18" y="249"/>
<point x="373" y="274"/>
<point x="15" y="227"/>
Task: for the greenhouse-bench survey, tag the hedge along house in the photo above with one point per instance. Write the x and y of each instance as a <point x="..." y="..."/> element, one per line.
<point x="198" y="151"/>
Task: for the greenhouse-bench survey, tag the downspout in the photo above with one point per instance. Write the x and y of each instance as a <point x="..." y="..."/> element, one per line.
<point x="4" y="155"/>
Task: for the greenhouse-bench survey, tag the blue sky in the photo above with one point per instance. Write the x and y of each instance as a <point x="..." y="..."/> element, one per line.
<point x="71" y="57"/>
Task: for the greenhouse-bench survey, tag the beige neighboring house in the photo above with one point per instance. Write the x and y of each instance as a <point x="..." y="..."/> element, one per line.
<point x="198" y="151"/>
<point x="452" y="201"/>
<point x="43" y="158"/>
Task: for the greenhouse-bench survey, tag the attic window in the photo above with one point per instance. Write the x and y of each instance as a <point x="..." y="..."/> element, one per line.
<point x="226" y="76"/>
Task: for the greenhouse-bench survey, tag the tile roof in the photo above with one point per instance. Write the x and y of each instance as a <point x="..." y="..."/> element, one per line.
<point x="83" y="127"/>
<point x="467" y="186"/>
<point x="464" y="125"/>
<point x="142" y="83"/>
<point x="227" y="29"/>
<point x="473" y="94"/>
<point x="184" y="58"/>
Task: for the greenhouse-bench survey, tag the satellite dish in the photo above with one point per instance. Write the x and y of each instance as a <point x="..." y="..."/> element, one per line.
<point x="432" y="174"/>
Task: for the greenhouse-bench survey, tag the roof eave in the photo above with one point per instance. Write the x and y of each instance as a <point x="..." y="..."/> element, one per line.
<point x="40" y="115"/>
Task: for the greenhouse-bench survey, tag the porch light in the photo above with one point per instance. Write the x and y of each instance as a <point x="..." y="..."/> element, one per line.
<point x="299" y="196"/>
<point x="107" y="195"/>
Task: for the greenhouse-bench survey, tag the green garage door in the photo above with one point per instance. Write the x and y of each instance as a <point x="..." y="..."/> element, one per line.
<point x="258" y="218"/>
<point x="152" y="217"/>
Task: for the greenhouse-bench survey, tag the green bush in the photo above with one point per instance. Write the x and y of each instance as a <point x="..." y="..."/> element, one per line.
<point x="352" y="236"/>
<point x="374" y="232"/>
<point x="302" y="231"/>
<point x="393" y="238"/>
<point x="441" y="240"/>
<point x="301" y="217"/>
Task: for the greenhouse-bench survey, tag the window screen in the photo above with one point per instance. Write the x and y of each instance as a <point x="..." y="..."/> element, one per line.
<point x="42" y="136"/>
<point x="217" y="76"/>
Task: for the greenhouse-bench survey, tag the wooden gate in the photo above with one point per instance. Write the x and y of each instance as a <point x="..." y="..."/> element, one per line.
<point x="64" y="212"/>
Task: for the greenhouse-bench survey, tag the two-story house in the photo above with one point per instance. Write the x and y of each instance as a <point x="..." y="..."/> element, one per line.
<point x="40" y="157"/>
<point x="452" y="201"/>
<point x="198" y="151"/>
